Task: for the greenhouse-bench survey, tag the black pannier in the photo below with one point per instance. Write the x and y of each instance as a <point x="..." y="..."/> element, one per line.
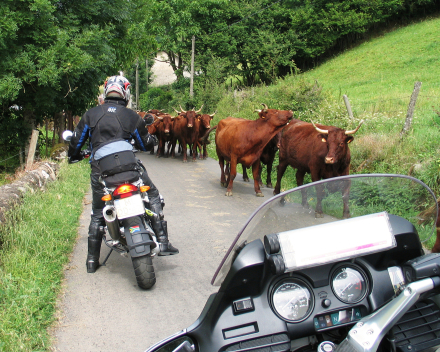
<point x="116" y="163"/>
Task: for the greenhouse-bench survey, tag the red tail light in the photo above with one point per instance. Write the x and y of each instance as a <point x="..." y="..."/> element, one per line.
<point x="125" y="190"/>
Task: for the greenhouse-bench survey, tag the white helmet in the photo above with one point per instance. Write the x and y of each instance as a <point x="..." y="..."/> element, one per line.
<point x="117" y="87"/>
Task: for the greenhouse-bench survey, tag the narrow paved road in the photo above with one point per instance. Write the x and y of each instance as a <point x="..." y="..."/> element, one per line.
<point x="106" y="311"/>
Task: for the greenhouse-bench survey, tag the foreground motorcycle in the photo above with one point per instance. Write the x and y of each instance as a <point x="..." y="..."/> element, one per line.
<point x="294" y="282"/>
<point x="128" y="217"/>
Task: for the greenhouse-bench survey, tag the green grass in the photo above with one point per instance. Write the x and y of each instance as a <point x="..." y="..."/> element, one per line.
<point x="37" y="241"/>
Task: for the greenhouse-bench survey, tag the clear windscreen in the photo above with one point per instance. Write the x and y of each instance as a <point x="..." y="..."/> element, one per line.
<point x="330" y="201"/>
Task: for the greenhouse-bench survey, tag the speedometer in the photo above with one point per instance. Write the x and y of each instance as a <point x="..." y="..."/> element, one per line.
<point x="292" y="300"/>
<point x="349" y="284"/>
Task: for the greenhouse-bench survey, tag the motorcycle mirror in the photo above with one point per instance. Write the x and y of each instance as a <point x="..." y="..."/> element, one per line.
<point x="67" y="135"/>
<point x="149" y="120"/>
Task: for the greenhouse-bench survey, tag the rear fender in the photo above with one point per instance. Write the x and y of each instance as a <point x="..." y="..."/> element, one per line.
<point x="138" y="237"/>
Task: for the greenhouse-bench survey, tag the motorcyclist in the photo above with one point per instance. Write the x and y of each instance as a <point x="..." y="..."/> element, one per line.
<point x="110" y="127"/>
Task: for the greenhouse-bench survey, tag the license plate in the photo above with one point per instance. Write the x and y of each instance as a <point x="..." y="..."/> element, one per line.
<point x="128" y="207"/>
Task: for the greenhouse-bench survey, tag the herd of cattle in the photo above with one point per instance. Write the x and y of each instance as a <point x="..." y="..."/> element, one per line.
<point x="320" y="150"/>
<point x="317" y="149"/>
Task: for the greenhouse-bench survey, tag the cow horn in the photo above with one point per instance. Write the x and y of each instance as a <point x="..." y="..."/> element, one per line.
<point x="355" y="130"/>
<point x="176" y="111"/>
<point x="256" y="110"/>
<point x="160" y="117"/>
<point x="181" y="110"/>
<point x="213" y="114"/>
<point x="320" y="130"/>
<point x="200" y="109"/>
<point x="265" y="106"/>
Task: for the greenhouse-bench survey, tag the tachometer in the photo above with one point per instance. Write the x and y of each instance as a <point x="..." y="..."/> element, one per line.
<point x="349" y="284"/>
<point x="292" y="300"/>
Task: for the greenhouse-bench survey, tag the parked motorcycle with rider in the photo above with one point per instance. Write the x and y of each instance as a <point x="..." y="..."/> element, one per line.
<point x="294" y="282"/>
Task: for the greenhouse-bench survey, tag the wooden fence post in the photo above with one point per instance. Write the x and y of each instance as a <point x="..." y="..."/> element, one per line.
<point x="411" y="106"/>
<point x="348" y="106"/>
<point x="32" y="148"/>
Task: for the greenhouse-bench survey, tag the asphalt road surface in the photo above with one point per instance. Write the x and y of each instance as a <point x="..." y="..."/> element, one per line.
<point x="106" y="311"/>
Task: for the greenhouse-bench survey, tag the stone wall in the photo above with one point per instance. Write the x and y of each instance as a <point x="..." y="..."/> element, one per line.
<point x="32" y="181"/>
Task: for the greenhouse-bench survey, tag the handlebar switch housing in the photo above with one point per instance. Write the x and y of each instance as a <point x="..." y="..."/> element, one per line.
<point x="423" y="267"/>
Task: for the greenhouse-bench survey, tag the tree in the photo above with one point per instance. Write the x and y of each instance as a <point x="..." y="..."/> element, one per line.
<point x="58" y="53"/>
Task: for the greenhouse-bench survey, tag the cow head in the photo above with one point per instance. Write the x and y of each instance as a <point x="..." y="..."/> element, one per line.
<point x="206" y="120"/>
<point x="167" y="121"/>
<point x="190" y="115"/>
<point x="337" y="141"/>
<point x="277" y="117"/>
<point x="152" y="129"/>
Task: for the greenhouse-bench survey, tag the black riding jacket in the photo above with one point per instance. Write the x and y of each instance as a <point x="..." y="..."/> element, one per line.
<point x="108" y="123"/>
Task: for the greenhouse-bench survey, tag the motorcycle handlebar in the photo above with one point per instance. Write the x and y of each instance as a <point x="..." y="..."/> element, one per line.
<point x="81" y="156"/>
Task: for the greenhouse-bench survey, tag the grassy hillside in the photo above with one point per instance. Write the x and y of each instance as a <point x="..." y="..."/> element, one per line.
<point x="378" y="77"/>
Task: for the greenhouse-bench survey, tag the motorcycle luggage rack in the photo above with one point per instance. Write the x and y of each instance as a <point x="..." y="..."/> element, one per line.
<point x="418" y="329"/>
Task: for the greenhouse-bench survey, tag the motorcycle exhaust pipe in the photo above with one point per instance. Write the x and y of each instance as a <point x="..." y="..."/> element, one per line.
<point x="111" y="220"/>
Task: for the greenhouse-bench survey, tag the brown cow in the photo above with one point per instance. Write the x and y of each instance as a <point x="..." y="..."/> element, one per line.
<point x="319" y="150"/>
<point x="205" y="125"/>
<point x="242" y="141"/>
<point x="186" y="131"/>
<point x="267" y="157"/>
<point x="164" y="132"/>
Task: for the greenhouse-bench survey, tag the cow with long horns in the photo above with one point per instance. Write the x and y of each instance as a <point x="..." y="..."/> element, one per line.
<point x="186" y="131"/>
<point x="320" y="150"/>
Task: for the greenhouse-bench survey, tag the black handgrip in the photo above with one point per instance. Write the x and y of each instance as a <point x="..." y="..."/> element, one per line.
<point x="422" y="267"/>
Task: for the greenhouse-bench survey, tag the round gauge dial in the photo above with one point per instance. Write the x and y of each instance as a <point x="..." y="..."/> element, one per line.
<point x="292" y="300"/>
<point x="349" y="284"/>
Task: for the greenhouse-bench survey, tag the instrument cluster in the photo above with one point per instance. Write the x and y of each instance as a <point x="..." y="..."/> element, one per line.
<point x="293" y="299"/>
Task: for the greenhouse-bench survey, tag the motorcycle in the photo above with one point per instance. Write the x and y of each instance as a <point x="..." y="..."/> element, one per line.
<point x="128" y="215"/>
<point x="292" y="281"/>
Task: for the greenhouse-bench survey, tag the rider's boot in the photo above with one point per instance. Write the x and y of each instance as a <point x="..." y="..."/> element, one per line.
<point x="166" y="248"/>
<point x="94" y="246"/>
<point x="161" y="230"/>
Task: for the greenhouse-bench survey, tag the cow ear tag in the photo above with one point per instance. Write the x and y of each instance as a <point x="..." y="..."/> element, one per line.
<point x="323" y="140"/>
<point x="349" y="141"/>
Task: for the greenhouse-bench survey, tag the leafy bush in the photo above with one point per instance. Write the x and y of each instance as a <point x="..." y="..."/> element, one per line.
<point x="155" y="98"/>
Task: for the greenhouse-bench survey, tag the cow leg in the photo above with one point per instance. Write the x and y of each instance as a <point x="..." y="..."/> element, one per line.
<point x="345" y="198"/>
<point x="299" y="182"/>
<point x="232" y="174"/>
<point x="205" y="151"/>
<point x="280" y="172"/>
<point x="194" y="154"/>
<point x="269" y="174"/>
<point x="221" y="162"/>
<point x="227" y="169"/>
<point x="245" y="175"/>
<point x="260" y="170"/>
<point x="159" y="148"/>
<point x="256" y="173"/>
<point x="184" y="152"/>
<point x="319" y="194"/>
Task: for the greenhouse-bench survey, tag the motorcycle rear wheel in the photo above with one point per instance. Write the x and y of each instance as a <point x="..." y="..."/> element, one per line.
<point x="144" y="271"/>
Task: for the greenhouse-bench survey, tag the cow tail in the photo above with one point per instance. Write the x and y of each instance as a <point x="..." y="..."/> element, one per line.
<point x="206" y="135"/>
